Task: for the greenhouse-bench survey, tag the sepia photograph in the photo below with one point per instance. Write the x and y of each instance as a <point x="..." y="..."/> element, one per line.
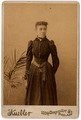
<point x="40" y="59"/>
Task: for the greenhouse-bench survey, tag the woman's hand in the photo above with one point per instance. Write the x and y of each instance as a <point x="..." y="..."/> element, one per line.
<point x="25" y="82"/>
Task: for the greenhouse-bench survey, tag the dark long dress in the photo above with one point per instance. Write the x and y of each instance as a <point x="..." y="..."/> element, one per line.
<point x="40" y="74"/>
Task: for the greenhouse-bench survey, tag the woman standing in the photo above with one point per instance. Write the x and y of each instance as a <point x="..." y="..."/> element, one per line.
<point x="40" y="74"/>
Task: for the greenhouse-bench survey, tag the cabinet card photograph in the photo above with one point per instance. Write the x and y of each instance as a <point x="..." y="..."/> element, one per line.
<point x="40" y="59"/>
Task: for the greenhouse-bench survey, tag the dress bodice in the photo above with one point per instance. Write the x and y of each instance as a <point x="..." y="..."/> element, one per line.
<point x="41" y="50"/>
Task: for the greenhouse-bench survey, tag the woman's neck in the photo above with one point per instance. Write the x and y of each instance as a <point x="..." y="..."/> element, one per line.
<point x="41" y="37"/>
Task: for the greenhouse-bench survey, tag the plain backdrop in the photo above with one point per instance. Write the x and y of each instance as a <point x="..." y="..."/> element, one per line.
<point x="19" y="27"/>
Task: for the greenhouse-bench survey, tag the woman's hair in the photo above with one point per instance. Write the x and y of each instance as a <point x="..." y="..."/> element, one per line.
<point x="41" y="23"/>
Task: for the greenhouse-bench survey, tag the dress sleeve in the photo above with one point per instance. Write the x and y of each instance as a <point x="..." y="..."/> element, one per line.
<point x="55" y="59"/>
<point x="29" y="57"/>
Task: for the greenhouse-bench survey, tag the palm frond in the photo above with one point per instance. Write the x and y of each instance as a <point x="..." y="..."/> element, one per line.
<point x="15" y="63"/>
<point x="5" y="63"/>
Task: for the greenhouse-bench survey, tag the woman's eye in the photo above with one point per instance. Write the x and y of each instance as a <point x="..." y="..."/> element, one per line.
<point x="44" y="28"/>
<point x="40" y="28"/>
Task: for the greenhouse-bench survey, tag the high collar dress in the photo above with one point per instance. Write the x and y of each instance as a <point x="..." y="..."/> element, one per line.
<point x="40" y="74"/>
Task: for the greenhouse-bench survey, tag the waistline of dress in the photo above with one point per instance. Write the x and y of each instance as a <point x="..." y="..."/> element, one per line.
<point x="39" y="65"/>
<point x="42" y="69"/>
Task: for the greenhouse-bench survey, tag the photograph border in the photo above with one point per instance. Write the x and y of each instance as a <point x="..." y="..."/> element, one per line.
<point x="56" y="111"/>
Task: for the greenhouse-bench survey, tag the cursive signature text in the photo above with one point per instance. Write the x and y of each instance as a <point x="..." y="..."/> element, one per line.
<point x="22" y="112"/>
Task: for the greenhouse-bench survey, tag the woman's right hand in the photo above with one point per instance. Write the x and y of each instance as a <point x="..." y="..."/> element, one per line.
<point x="25" y="82"/>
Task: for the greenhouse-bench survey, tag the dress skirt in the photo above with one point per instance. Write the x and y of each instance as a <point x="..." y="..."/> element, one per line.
<point x="41" y="88"/>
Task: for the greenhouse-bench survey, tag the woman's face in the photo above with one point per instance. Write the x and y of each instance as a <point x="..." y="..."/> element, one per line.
<point x="41" y="30"/>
